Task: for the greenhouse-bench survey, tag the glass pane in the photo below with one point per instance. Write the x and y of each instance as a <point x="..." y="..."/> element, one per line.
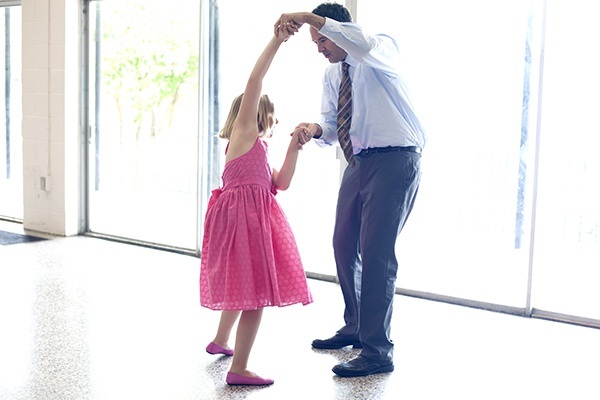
<point x="144" y="120"/>
<point x="464" y="62"/>
<point x="567" y="235"/>
<point x="11" y="149"/>
<point x="294" y="85"/>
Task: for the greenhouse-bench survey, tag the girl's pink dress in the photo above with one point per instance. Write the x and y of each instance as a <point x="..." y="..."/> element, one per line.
<point x="249" y="256"/>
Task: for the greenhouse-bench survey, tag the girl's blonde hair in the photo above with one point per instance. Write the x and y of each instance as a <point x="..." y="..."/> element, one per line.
<point x="266" y="109"/>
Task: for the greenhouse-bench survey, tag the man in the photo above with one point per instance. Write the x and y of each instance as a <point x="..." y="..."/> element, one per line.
<point x="379" y="185"/>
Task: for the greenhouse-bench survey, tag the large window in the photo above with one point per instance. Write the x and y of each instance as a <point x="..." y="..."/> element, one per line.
<point x="152" y="139"/>
<point x="566" y="272"/>
<point x="11" y="151"/>
<point x="467" y="66"/>
<point x="144" y="120"/>
<point x="507" y="212"/>
<point x="508" y="208"/>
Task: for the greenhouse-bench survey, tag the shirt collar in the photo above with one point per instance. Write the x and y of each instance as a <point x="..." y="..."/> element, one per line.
<point x="353" y="62"/>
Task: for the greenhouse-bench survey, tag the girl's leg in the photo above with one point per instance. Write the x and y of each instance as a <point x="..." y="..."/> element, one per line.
<point x="226" y="323"/>
<point x="244" y="339"/>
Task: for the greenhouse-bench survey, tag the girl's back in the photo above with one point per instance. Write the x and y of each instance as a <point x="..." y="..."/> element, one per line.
<point x="251" y="168"/>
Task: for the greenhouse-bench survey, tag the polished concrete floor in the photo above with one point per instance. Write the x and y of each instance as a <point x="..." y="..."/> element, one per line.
<point x="84" y="318"/>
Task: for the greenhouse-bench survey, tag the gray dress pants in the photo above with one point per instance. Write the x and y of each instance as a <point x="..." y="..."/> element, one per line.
<point x="375" y="199"/>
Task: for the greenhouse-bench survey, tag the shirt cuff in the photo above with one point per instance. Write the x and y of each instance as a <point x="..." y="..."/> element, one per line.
<point x="331" y="26"/>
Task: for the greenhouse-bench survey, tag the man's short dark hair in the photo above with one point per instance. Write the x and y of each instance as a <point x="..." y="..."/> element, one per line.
<point x="334" y="11"/>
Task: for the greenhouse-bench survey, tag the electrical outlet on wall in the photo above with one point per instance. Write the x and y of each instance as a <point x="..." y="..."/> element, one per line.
<point x="45" y="183"/>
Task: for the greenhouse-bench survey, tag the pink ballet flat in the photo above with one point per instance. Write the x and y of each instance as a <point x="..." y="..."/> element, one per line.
<point x="237" y="379"/>
<point x="214" y="348"/>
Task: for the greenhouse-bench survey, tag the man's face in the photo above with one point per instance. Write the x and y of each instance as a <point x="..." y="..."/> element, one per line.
<point x="330" y="50"/>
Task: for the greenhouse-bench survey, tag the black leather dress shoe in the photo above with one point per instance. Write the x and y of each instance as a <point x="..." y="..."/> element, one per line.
<point x="336" y="342"/>
<point x="362" y="366"/>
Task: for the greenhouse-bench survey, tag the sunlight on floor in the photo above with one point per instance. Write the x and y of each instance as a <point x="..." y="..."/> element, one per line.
<point x="93" y="319"/>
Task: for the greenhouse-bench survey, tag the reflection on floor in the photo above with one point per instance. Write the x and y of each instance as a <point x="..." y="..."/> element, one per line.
<point x="83" y="318"/>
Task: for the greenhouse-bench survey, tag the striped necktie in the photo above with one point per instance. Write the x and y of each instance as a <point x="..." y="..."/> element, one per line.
<point x="344" y="116"/>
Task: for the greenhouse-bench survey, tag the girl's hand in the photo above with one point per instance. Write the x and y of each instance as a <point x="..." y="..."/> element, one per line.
<point x="304" y="133"/>
<point x="286" y="30"/>
<point x="292" y="20"/>
<point x="299" y="137"/>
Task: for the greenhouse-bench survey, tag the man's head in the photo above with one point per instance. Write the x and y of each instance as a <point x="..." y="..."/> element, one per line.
<point x="330" y="50"/>
<point x="333" y="11"/>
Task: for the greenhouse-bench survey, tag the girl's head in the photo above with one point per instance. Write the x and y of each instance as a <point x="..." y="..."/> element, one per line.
<point x="265" y="118"/>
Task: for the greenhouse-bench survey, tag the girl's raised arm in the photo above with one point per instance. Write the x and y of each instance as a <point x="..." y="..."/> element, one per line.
<point x="245" y="130"/>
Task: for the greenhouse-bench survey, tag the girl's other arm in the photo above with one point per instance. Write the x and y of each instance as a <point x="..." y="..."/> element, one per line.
<point x="282" y="178"/>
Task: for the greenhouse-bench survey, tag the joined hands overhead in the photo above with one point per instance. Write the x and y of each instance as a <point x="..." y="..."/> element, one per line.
<point x="289" y="22"/>
<point x="286" y="28"/>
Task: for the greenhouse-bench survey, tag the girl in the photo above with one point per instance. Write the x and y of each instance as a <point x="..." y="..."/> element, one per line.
<point x="249" y="257"/>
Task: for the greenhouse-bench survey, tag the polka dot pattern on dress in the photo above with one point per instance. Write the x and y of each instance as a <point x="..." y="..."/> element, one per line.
<point x="249" y="258"/>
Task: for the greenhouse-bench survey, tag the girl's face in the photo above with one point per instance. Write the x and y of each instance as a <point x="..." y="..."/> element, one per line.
<point x="273" y="121"/>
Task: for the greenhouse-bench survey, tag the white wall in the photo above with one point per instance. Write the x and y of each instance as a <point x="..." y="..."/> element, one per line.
<point x="51" y="117"/>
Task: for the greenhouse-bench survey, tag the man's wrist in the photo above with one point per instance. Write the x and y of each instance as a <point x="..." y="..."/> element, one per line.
<point x="318" y="132"/>
<point x="314" y="20"/>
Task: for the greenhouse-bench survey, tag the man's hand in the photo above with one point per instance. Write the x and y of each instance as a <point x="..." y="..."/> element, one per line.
<point x="306" y="131"/>
<point x="296" y="20"/>
<point x="283" y="33"/>
<point x="290" y="21"/>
